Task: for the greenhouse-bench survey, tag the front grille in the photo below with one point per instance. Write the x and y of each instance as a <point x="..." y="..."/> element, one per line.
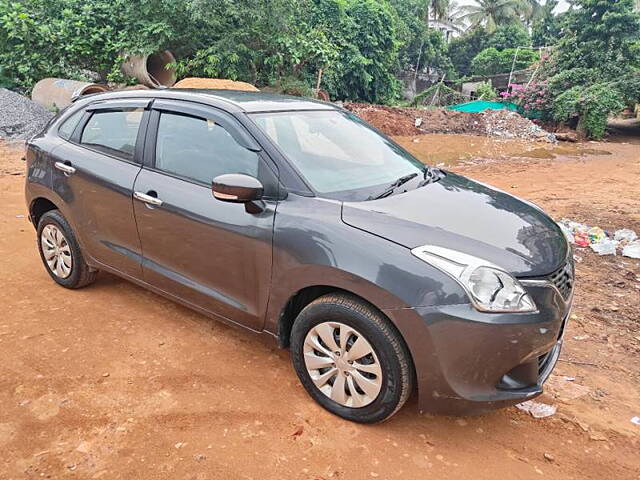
<point x="563" y="279"/>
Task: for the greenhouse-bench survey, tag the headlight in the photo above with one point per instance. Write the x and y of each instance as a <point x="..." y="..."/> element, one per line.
<point x="490" y="288"/>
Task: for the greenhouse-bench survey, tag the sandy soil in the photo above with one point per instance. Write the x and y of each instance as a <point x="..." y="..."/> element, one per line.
<point x="115" y="382"/>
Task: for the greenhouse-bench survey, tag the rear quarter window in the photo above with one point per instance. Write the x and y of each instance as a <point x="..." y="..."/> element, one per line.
<point x="113" y="132"/>
<point x="69" y="125"/>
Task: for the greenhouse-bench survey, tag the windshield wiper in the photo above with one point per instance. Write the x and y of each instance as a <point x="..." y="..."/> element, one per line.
<point x="431" y="174"/>
<point x="391" y="188"/>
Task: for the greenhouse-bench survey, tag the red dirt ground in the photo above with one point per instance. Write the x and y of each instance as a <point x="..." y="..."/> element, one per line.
<point x="115" y="382"/>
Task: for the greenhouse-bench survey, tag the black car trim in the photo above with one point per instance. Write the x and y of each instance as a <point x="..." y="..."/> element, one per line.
<point x="207" y="112"/>
<point x="119" y="104"/>
<point x="148" y="160"/>
<point x="138" y="149"/>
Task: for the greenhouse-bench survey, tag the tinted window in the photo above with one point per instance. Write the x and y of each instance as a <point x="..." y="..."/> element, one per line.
<point x="200" y="149"/>
<point x="113" y="132"/>
<point x="70" y="124"/>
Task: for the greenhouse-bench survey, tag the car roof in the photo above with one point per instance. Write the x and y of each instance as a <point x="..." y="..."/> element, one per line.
<point x="230" y="100"/>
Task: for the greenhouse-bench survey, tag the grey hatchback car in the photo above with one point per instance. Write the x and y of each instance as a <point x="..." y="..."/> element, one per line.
<point x="294" y="218"/>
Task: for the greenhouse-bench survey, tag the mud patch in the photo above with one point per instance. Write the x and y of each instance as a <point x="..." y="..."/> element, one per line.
<point x="450" y="150"/>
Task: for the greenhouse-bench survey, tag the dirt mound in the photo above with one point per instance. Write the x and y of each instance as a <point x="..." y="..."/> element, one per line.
<point x="215" y="84"/>
<point x="413" y="121"/>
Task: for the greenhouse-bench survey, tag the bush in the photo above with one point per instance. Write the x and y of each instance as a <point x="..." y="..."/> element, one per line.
<point x="534" y="100"/>
<point x="366" y="36"/>
<point x="592" y="106"/>
<point x="356" y="43"/>
<point x="486" y="92"/>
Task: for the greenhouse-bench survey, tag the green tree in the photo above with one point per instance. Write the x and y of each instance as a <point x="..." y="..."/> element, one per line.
<point x="491" y="13"/>
<point x="263" y="42"/>
<point x="509" y="36"/>
<point x="462" y="50"/>
<point x="420" y="46"/>
<point x="436" y="9"/>
<point x="546" y="29"/>
<point x="366" y="35"/>
<point x="593" y="71"/>
<point x="492" y="62"/>
<point x="530" y="11"/>
<point x="599" y="34"/>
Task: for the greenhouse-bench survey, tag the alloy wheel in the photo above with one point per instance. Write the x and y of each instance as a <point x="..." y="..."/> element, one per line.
<point x="56" y="251"/>
<point x="342" y="364"/>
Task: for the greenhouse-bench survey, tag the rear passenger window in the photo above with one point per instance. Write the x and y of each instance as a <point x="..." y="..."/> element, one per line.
<point x="200" y="149"/>
<point x="113" y="132"/>
<point x="66" y="129"/>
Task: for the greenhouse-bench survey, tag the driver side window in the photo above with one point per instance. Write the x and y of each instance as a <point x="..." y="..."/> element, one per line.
<point x="200" y="149"/>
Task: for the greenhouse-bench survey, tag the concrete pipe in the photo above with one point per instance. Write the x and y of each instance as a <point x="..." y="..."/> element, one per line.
<point x="59" y="92"/>
<point x="151" y="70"/>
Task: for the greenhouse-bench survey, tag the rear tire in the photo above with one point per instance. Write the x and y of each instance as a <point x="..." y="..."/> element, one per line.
<point x="351" y="359"/>
<point x="60" y="252"/>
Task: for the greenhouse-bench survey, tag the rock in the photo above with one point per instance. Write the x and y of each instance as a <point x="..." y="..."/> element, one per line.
<point x="565" y="388"/>
<point x="537" y="409"/>
<point x="105" y="374"/>
<point x="583" y="426"/>
<point x="549" y="457"/>
<point x="598" y="437"/>
<point x="567" y="137"/>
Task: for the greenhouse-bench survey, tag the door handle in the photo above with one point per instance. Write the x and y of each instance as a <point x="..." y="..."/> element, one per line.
<point x="63" y="167"/>
<point x="143" y="197"/>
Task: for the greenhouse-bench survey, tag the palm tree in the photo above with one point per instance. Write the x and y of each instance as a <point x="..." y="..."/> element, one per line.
<point x="491" y="13"/>
<point x="454" y="15"/>
<point x="436" y="9"/>
<point x="532" y="10"/>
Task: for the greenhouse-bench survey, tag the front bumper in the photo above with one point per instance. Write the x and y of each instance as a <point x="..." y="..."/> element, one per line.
<point x="468" y="361"/>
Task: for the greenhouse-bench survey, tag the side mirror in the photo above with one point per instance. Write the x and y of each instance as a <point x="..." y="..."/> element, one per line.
<point x="237" y="188"/>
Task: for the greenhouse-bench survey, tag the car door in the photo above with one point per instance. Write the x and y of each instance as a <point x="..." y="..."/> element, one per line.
<point x="212" y="254"/>
<point x="94" y="172"/>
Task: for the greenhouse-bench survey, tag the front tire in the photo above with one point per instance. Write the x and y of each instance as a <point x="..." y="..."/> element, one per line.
<point x="60" y="252"/>
<point x="350" y="359"/>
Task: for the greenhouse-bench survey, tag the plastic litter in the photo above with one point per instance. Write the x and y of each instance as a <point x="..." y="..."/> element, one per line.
<point x="605" y="247"/>
<point x="596" y="235"/>
<point x="601" y="241"/>
<point x="635" y="420"/>
<point x="537" y="409"/>
<point x="625" y="235"/>
<point x="632" y="250"/>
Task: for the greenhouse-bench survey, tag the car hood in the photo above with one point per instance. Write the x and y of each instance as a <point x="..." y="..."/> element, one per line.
<point x="470" y="217"/>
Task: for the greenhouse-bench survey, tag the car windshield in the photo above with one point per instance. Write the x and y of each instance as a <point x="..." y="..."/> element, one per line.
<point x="337" y="153"/>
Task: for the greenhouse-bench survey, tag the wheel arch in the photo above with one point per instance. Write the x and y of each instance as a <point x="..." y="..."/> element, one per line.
<point x="39" y="206"/>
<point x="303" y="297"/>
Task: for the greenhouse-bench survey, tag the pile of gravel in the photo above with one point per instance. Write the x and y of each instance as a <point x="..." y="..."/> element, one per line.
<point x="20" y="118"/>
<point x="508" y="124"/>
